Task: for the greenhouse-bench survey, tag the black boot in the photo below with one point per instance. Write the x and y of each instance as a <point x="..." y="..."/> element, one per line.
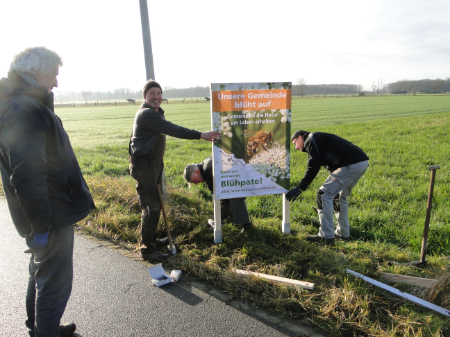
<point x="154" y="256"/>
<point x="317" y="238"/>
<point x="67" y="330"/>
<point x="246" y="227"/>
<point x="162" y="242"/>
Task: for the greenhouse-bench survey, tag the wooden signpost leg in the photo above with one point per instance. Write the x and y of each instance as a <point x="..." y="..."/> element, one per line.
<point x="217" y="222"/>
<point x="286" y="224"/>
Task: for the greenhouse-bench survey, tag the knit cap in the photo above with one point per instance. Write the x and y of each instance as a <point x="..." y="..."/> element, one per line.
<point x="298" y="133"/>
<point x="150" y="84"/>
<point x="188" y="170"/>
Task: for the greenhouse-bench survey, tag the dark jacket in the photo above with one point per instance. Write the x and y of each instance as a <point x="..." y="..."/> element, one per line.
<point x="148" y="125"/>
<point x="329" y="151"/>
<point x="205" y="168"/>
<point x="41" y="178"/>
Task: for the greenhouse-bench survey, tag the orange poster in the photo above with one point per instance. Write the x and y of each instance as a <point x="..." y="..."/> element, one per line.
<point x="253" y="155"/>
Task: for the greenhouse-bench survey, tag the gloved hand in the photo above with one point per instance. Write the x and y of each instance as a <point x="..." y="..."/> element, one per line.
<point x="37" y="241"/>
<point x="293" y="194"/>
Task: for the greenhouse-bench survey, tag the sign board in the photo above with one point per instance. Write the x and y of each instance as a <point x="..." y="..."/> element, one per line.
<point x="253" y="155"/>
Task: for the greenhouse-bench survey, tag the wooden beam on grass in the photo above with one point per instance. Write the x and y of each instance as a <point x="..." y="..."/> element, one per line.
<point x="277" y="279"/>
<point x="411" y="280"/>
<point x="406" y="296"/>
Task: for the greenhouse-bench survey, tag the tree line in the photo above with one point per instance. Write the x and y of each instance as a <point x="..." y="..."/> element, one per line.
<point x="125" y="93"/>
<point x="425" y="86"/>
<point x="299" y="89"/>
<point x="303" y="89"/>
<point x="198" y="91"/>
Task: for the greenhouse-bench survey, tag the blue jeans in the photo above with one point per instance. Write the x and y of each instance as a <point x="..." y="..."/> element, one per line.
<point x="50" y="283"/>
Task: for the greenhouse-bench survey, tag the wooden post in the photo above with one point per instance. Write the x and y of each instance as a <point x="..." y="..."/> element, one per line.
<point x="277" y="279"/>
<point x="428" y="215"/>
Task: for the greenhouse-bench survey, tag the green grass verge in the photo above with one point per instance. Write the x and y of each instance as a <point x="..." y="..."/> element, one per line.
<point x="402" y="136"/>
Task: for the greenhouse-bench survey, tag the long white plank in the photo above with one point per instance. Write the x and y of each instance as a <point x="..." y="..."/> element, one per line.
<point x="397" y="292"/>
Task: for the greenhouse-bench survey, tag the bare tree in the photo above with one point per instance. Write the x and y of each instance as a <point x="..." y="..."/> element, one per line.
<point x="374" y="87"/>
<point x="380" y="87"/>
<point x="301" y="82"/>
<point x="85" y="94"/>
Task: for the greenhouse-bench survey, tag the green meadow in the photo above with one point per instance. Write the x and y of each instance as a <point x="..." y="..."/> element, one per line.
<point x="402" y="135"/>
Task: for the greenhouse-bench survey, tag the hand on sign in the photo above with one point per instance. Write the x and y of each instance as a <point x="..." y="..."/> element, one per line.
<point x="293" y="194"/>
<point x="210" y="136"/>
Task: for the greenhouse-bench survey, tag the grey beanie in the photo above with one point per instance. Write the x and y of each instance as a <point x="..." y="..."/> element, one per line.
<point x="299" y="133"/>
<point x="188" y="170"/>
<point x="150" y="84"/>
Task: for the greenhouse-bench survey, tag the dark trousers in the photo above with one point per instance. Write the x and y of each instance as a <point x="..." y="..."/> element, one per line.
<point x="147" y="175"/>
<point x="50" y="283"/>
<point x="236" y="209"/>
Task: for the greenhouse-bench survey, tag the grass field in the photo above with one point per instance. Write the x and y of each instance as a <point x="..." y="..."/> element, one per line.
<point x="402" y="136"/>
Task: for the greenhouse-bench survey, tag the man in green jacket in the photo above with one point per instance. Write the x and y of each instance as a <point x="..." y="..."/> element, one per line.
<point x="147" y="148"/>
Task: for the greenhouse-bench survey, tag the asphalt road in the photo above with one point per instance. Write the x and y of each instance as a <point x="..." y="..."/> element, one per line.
<point x="113" y="296"/>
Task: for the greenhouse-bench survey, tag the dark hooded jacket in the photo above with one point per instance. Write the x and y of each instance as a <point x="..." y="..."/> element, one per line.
<point x="148" y="125"/>
<point x="329" y="151"/>
<point x="205" y="168"/>
<point x="41" y="177"/>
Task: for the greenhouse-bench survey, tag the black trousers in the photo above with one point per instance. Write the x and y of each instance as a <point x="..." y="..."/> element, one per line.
<point x="236" y="209"/>
<point x="147" y="173"/>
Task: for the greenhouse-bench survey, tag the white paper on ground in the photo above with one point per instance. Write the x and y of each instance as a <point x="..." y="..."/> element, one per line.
<point x="159" y="276"/>
<point x="175" y="274"/>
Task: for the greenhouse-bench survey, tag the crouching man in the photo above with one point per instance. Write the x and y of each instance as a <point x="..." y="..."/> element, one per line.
<point x="235" y="209"/>
<point x="346" y="163"/>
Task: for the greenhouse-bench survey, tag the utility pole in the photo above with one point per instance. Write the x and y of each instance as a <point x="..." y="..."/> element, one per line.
<point x="149" y="68"/>
<point x="148" y="55"/>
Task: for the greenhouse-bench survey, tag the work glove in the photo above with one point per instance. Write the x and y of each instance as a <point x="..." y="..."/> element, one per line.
<point x="293" y="194"/>
<point x="37" y="241"/>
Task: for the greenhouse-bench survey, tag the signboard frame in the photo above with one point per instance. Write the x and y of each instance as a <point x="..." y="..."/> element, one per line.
<point x="253" y="156"/>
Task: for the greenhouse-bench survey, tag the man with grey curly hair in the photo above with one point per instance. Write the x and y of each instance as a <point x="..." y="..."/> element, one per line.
<point x="43" y="185"/>
<point x="36" y="60"/>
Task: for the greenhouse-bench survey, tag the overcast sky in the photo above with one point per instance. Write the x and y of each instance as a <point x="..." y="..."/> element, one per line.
<point x="200" y="42"/>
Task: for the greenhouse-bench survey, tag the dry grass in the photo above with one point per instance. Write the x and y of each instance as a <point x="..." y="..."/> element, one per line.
<point x="440" y="294"/>
<point x="339" y="304"/>
<point x="117" y="214"/>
